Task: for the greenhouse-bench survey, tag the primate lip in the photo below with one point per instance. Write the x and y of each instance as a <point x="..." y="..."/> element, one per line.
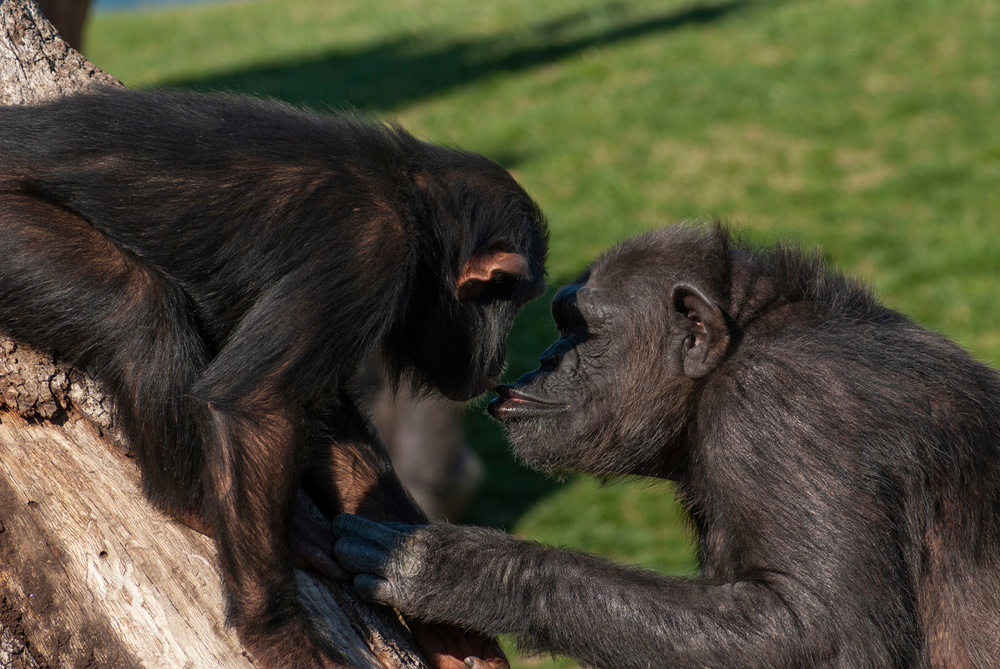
<point x="511" y="403"/>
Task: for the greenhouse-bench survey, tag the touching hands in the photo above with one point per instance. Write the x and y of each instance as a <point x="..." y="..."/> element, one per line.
<point x="386" y="558"/>
<point x="391" y="563"/>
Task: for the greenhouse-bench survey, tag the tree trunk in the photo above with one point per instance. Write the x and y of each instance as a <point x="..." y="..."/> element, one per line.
<point x="91" y="575"/>
<point x="35" y="63"/>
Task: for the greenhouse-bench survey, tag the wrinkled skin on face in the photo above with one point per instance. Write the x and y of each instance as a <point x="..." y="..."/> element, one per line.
<point x="613" y="394"/>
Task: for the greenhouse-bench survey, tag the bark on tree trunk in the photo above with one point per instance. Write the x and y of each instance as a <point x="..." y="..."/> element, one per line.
<point x="35" y="63"/>
<point x="90" y="574"/>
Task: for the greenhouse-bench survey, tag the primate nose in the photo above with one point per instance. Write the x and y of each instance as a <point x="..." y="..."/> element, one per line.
<point x="551" y="357"/>
<point x="549" y="362"/>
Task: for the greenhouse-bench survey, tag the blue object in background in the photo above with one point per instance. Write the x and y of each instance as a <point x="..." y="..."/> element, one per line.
<point x="104" y="5"/>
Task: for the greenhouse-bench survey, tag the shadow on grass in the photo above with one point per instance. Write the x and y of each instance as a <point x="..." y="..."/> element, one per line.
<point x="388" y="75"/>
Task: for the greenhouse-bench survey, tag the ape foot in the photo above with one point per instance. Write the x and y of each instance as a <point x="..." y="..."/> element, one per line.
<point x="448" y="647"/>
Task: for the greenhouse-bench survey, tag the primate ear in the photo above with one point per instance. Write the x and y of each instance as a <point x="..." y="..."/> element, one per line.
<point x="485" y="267"/>
<point x="702" y="330"/>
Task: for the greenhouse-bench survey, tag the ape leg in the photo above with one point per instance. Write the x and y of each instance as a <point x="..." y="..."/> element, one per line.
<point x="350" y="469"/>
<point x="312" y="540"/>
<point x="255" y="455"/>
<point x="253" y="477"/>
<point x="66" y="288"/>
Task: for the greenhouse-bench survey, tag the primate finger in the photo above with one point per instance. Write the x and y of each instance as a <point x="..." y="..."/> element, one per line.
<point x="402" y="528"/>
<point x="311" y="556"/>
<point x="373" y="589"/>
<point x="347" y="525"/>
<point x="359" y="556"/>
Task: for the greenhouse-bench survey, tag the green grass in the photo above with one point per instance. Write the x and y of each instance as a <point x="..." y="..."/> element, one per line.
<point x="869" y="128"/>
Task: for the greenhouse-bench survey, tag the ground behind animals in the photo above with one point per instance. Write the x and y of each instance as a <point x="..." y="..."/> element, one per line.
<point x="868" y="127"/>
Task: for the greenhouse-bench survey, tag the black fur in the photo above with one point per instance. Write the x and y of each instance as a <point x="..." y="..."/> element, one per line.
<point x="223" y="264"/>
<point x="840" y="464"/>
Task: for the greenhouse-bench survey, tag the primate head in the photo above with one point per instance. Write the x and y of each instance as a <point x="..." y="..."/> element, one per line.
<point x="492" y="238"/>
<point x="640" y="331"/>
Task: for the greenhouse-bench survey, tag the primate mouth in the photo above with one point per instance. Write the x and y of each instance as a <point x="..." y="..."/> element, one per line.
<point x="511" y="404"/>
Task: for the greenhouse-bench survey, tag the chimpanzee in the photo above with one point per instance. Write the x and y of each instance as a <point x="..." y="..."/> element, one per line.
<point x="841" y="466"/>
<point x="223" y="264"/>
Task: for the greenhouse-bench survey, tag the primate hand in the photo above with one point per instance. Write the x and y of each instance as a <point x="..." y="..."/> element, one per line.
<point x="386" y="558"/>
<point x="390" y="563"/>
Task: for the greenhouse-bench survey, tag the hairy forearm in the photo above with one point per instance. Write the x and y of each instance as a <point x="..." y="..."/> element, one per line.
<point x="603" y="614"/>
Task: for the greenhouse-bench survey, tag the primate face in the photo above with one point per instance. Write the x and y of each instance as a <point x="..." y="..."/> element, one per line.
<point x="614" y="393"/>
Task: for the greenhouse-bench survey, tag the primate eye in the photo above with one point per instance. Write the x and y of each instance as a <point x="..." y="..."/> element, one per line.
<point x="570" y="321"/>
<point x="578" y="329"/>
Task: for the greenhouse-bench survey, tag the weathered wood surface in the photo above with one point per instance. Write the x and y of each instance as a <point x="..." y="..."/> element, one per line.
<point x="90" y="574"/>
<point x="35" y="63"/>
<point x="98" y="574"/>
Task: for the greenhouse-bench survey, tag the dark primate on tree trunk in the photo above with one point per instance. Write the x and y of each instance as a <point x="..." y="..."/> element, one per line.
<point x="223" y="264"/>
<point x="841" y="466"/>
